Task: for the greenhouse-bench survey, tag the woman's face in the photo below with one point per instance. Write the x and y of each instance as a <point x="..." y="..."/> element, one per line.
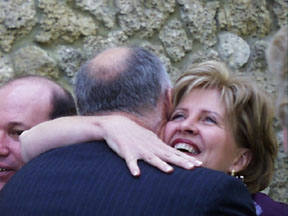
<point x="200" y="127"/>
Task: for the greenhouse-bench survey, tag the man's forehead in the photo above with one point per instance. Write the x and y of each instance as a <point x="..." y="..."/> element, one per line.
<point x="25" y="90"/>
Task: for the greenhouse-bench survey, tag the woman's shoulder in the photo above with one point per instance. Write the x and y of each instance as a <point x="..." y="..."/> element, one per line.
<point x="266" y="206"/>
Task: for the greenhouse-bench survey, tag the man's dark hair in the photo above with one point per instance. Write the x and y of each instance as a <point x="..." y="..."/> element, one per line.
<point x="140" y="82"/>
<point x="63" y="104"/>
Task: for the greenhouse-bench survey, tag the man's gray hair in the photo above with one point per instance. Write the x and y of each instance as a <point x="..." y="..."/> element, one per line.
<point x="142" y="80"/>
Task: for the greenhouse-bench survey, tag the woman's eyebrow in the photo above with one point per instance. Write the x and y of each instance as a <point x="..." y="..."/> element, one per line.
<point x="213" y="112"/>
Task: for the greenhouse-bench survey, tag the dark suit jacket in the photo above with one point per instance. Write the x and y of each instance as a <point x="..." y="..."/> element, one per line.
<point x="90" y="179"/>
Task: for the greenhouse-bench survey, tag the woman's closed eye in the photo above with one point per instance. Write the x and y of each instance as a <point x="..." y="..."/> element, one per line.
<point x="210" y="119"/>
<point x="177" y="116"/>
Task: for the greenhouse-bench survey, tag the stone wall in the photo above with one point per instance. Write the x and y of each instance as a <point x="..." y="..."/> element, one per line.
<point x="54" y="37"/>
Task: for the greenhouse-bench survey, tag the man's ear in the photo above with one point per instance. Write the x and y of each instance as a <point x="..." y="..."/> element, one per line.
<point x="241" y="161"/>
<point x="168" y="103"/>
<point x="166" y="109"/>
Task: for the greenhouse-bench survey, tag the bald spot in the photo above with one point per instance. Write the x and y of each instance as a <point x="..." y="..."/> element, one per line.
<point x="109" y="63"/>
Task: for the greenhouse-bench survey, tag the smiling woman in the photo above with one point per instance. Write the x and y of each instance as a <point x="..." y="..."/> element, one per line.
<point x="228" y="120"/>
<point x="200" y="126"/>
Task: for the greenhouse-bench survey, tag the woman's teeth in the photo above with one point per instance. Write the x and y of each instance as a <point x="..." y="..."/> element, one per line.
<point x="186" y="148"/>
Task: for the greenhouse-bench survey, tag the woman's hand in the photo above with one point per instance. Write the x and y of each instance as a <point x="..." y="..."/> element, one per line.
<point x="133" y="142"/>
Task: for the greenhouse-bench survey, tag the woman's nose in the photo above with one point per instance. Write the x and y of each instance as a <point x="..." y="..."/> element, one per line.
<point x="189" y="126"/>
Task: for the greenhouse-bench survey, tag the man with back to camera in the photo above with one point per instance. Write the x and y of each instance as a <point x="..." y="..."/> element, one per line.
<point x="89" y="179"/>
<point x="25" y="102"/>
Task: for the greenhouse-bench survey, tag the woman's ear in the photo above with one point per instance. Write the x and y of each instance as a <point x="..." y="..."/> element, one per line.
<point x="241" y="161"/>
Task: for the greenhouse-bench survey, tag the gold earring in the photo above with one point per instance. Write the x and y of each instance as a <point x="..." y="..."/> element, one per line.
<point x="241" y="177"/>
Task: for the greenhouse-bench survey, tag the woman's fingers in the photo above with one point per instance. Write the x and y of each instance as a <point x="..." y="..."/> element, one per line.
<point x="159" y="158"/>
<point x="181" y="160"/>
<point x="152" y="160"/>
<point x="155" y="161"/>
<point x="133" y="167"/>
<point x="178" y="158"/>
